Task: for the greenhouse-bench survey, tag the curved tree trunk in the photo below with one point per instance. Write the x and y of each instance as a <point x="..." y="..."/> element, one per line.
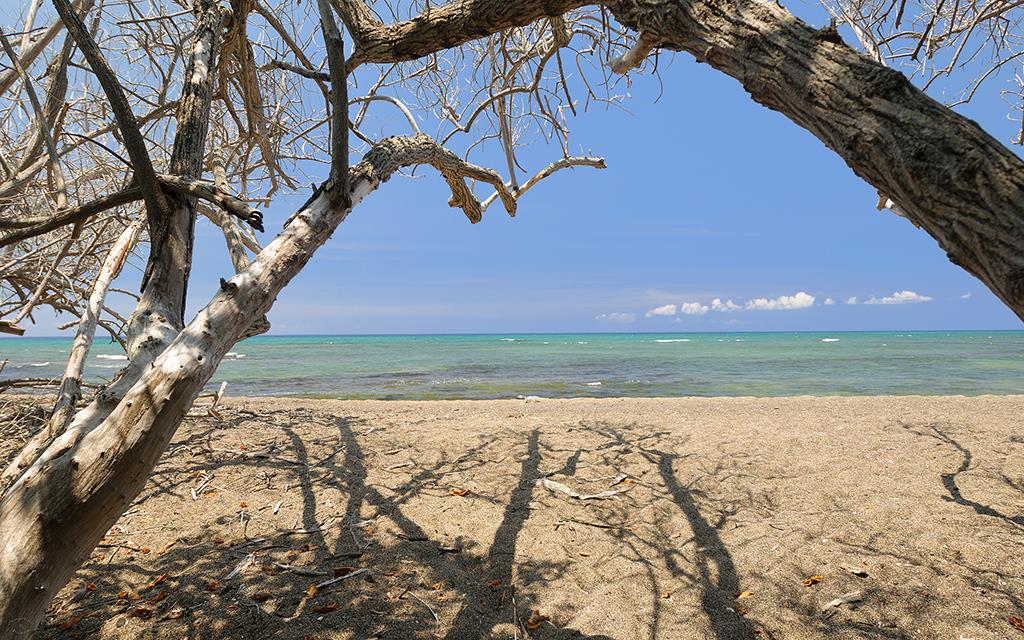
<point x="943" y="171"/>
<point x="945" y="174"/>
<point x="59" y="509"/>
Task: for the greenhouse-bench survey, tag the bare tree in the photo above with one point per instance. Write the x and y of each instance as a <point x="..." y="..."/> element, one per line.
<point x="114" y="113"/>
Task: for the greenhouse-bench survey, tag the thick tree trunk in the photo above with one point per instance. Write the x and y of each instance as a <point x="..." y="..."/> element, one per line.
<point x="59" y="509"/>
<point x="70" y="391"/>
<point x="55" y="513"/>
<point x="944" y="172"/>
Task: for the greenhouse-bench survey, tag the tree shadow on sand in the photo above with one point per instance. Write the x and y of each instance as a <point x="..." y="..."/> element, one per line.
<point x="949" y="480"/>
<point x="352" y="515"/>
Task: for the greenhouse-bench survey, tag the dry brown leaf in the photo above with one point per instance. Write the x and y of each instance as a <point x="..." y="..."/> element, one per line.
<point x="741" y="610"/>
<point x="812" y="580"/>
<point x="666" y="595"/>
<point x="212" y="585"/>
<point x="261" y="596"/>
<point x="91" y="586"/>
<point x="327" y="608"/>
<point x="143" y="613"/>
<point x="436" y="586"/>
<point x="219" y="540"/>
<point x="145" y="550"/>
<point x="1016" y="622"/>
<point x="458" y="492"/>
<point x="231" y="608"/>
<point x="209" y="493"/>
<point x="311" y="591"/>
<point x="174" y="614"/>
<point x="744" y="594"/>
<point x="390" y="574"/>
<point x="166" y="548"/>
<point x="72" y="621"/>
<point x="242" y="447"/>
<point x="493" y="583"/>
<point x="123" y="595"/>
<point x="158" y="597"/>
<point x="243" y="504"/>
<point x="536" y="619"/>
<point x="344" y="571"/>
<point x="155" y="581"/>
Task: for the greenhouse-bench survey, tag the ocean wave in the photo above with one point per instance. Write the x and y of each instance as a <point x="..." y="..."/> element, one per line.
<point x="675" y="340"/>
<point x="31" y="364"/>
<point x="512" y="339"/>
<point x="829" y="340"/>
<point x="104" y="356"/>
<point x="592" y="384"/>
<point x="234" y="356"/>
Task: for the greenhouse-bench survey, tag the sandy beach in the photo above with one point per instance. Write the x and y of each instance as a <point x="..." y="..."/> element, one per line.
<point x="699" y="518"/>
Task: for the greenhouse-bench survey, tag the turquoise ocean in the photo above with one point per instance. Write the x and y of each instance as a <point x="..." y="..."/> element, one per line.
<point x="589" y="365"/>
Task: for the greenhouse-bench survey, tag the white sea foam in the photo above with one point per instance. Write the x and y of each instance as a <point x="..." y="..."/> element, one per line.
<point x="104" y="356"/>
<point x="232" y="354"/>
<point x="675" y="340"/>
<point x="592" y="384"/>
<point x="829" y="340"/>
<point x="34" y="364"/>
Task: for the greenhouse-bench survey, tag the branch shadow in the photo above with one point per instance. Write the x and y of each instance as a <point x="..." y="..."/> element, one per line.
<point x="949" y="480"/>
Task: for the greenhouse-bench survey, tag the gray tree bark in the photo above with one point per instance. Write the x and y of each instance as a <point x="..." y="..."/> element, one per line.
<point x="944" y="172"/>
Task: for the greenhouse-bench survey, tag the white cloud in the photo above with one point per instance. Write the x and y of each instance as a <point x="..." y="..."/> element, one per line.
<point x="618" y="318"/>
<point x="799" y="300"/>
<point x="899" y="297"/>
<point x="663" y="310"/>
<point x="966" y="296"/>
<point x="829" y="301"/>
<point x="851" y="300"/>
<point x="693" y="308"/>
<point x="727" y="306"/>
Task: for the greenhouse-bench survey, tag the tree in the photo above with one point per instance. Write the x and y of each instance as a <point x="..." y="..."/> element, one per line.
<point x="485" y="73"/>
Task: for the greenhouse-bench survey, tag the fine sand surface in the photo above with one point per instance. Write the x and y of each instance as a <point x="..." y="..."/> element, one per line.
<point x="730" y="504"/>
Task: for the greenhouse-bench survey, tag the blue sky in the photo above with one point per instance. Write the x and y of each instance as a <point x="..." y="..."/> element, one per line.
<point x="706" y="195"/>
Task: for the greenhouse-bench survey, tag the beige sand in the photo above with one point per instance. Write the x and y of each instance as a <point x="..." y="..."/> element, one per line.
<point x="923" y="496"/>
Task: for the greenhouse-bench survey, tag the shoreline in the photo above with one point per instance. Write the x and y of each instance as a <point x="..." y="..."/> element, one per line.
<point x="533" y="399"/>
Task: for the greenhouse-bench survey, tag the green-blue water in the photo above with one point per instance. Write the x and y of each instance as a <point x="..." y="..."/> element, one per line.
<point x="590" y="365"/>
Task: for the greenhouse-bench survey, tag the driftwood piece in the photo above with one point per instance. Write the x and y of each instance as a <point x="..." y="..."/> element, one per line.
<point x="572" y="493"/>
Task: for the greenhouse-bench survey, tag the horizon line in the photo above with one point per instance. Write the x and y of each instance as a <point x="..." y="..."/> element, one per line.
<point x="555" y="333"/>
